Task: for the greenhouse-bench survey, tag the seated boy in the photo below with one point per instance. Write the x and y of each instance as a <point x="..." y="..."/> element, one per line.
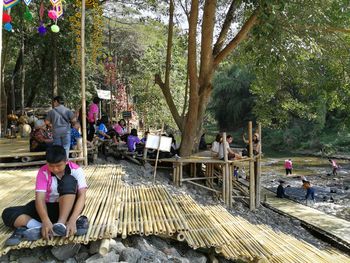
<point x="60" y="195"/>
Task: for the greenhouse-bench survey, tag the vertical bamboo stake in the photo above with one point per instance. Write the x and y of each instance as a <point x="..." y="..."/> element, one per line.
<point x="225" y="170"/>
<point x="83" y="95"/>
<point x="1" y="84"/>
<point x="251" y="169"/>
<point x="258" y="171"/>
<point x="156" y="164"/>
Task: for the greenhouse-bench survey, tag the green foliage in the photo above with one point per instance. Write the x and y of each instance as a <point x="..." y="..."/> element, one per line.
<point x="231" y="102"/>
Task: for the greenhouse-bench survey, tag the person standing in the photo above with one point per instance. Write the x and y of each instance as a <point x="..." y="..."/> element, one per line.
<point x="60" y="118"/>
<point x="288" y="165"/>
<point x="92" y="118"/>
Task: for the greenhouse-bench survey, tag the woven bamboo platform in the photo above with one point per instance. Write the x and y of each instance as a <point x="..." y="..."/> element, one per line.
<point x="116" y="209"/>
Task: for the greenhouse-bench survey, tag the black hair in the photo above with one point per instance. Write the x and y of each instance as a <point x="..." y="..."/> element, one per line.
<point x="218" y="137"/>
<point x="121" y="121"/>
<point x="59" y="99"/>
<point x="104" y="119"/>
<point x="56" y="154"/>
<point x="96" y="100"/>
<point x="133" y="132"/>
<point x="229" y="136"/>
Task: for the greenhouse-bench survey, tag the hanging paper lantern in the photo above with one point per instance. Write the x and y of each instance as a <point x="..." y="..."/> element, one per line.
<point x="6" y="18"/>
<point x="42" y="30"/>
<point x="41" y="11"/>
<point x="8" y="27"/>
<point x="52" y="14"/>
<point x="55" y="28"/>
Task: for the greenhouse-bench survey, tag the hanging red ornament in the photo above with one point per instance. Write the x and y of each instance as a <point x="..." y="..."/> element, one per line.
<point x="6" y="18"/>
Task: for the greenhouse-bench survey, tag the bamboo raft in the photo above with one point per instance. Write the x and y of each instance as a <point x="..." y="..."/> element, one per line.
<point x="116" y="209"/>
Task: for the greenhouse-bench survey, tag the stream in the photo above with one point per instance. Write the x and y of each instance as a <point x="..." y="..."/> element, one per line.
<point x="332" y="192"/>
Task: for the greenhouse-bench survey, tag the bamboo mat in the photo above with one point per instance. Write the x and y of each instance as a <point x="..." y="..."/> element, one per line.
<point x="115" y="209"/>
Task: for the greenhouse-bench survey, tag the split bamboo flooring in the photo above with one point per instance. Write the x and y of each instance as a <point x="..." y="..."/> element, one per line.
<point x="116" y="209"/>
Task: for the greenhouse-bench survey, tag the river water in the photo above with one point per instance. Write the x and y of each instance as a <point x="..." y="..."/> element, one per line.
<point x="332" y="192"/>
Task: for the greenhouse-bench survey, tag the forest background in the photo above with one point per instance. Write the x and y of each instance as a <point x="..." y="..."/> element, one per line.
<point x="291" y="73"/>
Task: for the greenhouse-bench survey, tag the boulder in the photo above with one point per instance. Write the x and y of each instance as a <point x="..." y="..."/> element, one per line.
<point x="195" y="257"/>
<point x="117" y="246"/>
<point x="66" y="251"/>
<point x="130" y="255"/>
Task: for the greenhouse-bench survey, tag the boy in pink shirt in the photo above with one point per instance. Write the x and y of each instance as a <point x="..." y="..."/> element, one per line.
<point x="59" y="200"/>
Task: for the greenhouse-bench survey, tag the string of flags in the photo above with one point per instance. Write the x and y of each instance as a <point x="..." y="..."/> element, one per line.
<point x="54" y="14"/>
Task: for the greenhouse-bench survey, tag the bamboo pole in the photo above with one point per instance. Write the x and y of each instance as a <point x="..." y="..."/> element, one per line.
<point x="251" y="169"/>
<point x="104" y="247"/>
<point x="157" y="156"/>
<point x="83" y="95"/>
<point x="258" y="171"/>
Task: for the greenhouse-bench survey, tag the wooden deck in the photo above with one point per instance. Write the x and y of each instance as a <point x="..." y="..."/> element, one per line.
<point x="332" y="227"/>
<point x="18" y="148"/>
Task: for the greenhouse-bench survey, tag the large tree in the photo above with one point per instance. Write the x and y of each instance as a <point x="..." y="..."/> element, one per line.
<point x="216" y="28"/>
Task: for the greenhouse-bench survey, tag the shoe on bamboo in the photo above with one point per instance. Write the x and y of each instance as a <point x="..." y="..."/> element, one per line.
<point x="82" y="225"/>
<point x="32" y="234"/>
<point x="16" y="237"/>
<point x="59" y="230"/>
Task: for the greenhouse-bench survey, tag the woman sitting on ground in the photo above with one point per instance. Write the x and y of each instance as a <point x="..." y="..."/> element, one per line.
<point x="121" y="129"/>
<point x="40" y="137"/>
<point x="134" y="143"/>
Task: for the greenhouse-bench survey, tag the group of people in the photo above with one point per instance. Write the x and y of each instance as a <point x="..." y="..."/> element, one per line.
<point x="60" y="127"/>
<point x="218" y="147"/>
<point x="306" y="184"/>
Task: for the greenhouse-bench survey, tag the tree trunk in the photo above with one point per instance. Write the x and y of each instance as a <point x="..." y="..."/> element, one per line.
<point x="54" y="67"/>
<point x="23" y="73"/>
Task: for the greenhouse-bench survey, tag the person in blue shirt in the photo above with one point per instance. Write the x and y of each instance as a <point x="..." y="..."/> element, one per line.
<point x="75" y="134"/>
<point x="104" y="133"/>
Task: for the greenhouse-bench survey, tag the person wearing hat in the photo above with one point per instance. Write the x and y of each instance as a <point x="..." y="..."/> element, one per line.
<point x="281" y="191"/>
<point x="40" y="137"/>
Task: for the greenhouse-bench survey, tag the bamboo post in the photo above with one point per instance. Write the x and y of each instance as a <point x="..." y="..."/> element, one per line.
<point x="83" y="95"/>
<point x="251" y="169"/>
<point x="258" y="171"/>
<point x="1" y="84"/>
<point x="224" y="171"/>
<point x="157" y="157"/>
<point x="104" y="247"/>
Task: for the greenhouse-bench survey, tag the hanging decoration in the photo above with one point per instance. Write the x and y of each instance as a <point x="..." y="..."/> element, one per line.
<point x="42" y="29"/>
<point x="52" y="14"/>
<point x="121" y="103"/>
<point x="6" y="18"/>
<point x="27" y="2"/>
<point x="110" y="71"/>
<point x="28" y="15"/>
<point x="55" y="28"/>
<point x="58" y="7"/>
<point x="10" y="3"/>
<point x="8" y="27"/>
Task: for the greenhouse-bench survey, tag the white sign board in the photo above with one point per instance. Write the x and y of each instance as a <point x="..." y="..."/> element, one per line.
<point x="153" y="141"/>
<point x="104" y="94"/>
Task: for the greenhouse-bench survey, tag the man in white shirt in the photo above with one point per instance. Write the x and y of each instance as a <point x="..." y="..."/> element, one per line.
<point x="231" y="154"/>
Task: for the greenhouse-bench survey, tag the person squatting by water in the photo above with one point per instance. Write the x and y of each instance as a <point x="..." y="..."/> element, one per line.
<point x="60" y="195"/>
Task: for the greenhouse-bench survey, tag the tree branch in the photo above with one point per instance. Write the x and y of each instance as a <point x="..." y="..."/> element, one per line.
<point x="192" y="47"/>
<point x="169" y="100"/>
<point x="241" y="35"/>
<point x="225" y="28"/>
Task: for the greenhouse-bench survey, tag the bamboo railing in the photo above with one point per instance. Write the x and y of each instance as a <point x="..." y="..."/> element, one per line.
<point x="116" y="209"/>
